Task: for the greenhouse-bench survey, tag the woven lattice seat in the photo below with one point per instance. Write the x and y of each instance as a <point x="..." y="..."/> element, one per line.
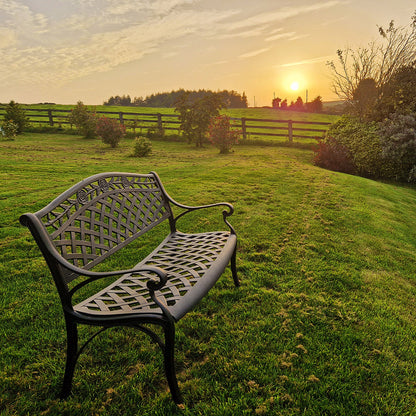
<point x="100" y="215"/>
<point x="188" y="260"/>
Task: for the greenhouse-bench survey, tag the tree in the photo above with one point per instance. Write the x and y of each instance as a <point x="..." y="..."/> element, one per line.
<point x="378" y="61"/>
<point x="276" y="102"/>
<point x="195" y="115"/>
<point x="315" y="106"/>
<point x="365" y="96"/>
<point x="399" y="94"/>
<point x="84" y="121"/>
<point x="298" y="106"/>
<point x="16" y="114"/>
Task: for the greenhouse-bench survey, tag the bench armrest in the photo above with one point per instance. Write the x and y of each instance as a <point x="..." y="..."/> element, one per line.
<point x="189" y="208"/>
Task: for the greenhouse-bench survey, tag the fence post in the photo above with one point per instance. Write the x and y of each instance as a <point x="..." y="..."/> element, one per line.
<point x="159" y="123"/>
<point x="290" y="130"/>
<point x="120" y="116"/>
<point x="243" y="128"/>
<point x="50" y="117"/>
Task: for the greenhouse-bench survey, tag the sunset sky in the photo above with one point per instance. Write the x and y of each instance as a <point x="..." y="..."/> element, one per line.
<point x="64" y="51"/>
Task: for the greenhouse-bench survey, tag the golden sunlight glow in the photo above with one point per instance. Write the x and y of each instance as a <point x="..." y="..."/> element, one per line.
<point x="294" y="86"/>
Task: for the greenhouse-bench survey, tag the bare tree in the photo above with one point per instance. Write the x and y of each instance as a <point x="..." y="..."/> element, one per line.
<point x="378" y="61"/>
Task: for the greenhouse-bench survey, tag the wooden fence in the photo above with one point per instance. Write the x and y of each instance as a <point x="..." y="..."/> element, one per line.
<point x="251" y="128"/>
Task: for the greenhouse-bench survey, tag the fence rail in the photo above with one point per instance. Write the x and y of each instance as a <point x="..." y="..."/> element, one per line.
<point x="249" y="127"/>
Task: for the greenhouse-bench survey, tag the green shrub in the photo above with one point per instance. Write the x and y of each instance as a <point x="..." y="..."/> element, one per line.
<point x="110" y="131"/>
<point x="362" y="140"/>
<point x="142" y="147"/>
<point x="16" y="114"/>
<point x="84" y="120"/>
<point x="221" y="135"/>
<point x="9" y="129"/>
<point x="195" y="115"/>
<point x="398" y="141"/>
<point x="329" y="154"/>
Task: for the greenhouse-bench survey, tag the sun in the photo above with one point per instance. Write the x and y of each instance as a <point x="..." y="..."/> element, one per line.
<point x="294" y="86"/>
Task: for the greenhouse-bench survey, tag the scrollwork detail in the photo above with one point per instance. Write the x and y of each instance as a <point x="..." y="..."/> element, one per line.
<point x="82" y="196"/>
<point x="103" y="184"/>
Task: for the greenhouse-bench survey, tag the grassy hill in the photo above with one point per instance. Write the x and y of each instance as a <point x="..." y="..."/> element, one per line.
<point x="322" y="325"/>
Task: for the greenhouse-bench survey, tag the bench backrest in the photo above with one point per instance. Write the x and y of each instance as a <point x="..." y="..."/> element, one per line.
<point x="102" y="214"/>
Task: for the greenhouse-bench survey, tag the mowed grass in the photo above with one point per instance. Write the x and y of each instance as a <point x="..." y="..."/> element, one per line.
<point x="323" y="323"/>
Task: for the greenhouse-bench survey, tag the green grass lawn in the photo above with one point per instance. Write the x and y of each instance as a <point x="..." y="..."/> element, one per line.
<point x="323" y="324"/>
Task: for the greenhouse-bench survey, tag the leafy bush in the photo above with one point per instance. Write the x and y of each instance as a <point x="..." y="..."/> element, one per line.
<point x="221" y="135"/>
<point x="110" y="131"/>
<point x="399" y="94"/>
<point x="16" y="114"/>
<point x="142" y="147"/>
<point x="84" y="120"/>
<point x="330" y="154"/>
<point x="195" y="115"/>
<point x="9" y="129"/>
<point x="398" y="141"/>
<point x="363" y="146"/>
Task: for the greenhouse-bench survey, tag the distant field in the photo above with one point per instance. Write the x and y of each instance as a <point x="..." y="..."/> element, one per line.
<point x="256" y="130"/>
<point x="232" y="112"/>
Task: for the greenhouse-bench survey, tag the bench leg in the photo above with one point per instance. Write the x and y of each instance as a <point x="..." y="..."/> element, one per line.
<point x="234" y="268"/>
<point x="71" y="357"/>
<point x="169" y="362"/>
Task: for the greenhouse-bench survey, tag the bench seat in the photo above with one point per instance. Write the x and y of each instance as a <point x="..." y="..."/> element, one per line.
<point x="193" y="263"/>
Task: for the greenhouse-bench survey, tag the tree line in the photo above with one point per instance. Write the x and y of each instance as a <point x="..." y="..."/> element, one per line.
<point x="230" y="99"/>
<point x="314" y="106"/>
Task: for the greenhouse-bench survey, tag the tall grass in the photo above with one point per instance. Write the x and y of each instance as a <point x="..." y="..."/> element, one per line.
<point x="323" y="323"/>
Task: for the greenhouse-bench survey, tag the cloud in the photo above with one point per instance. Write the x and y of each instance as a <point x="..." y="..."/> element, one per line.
<point x="253" y="53"/>
<point x="283" y="14"/>
<point x="308" y="61"/>
<point x="281" y="36"/>
<point x="7" y="37"/>
<point x="83" y="44"/>
<point x="68" y="39"/>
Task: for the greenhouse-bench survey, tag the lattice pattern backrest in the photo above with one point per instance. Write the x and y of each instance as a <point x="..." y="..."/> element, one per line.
<point x="102" y="215"/>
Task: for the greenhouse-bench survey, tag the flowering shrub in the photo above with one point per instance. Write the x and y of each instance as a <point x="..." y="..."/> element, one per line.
<point x="142" y="147"/>
<point x="398" y="140"/>
<point x="110" y="131"/>
<point x="83" y="120"/>
<point x="221" y="135"/>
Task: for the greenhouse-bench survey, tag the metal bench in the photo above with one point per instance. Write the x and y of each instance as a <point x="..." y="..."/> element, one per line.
<point x="100" y="215"/>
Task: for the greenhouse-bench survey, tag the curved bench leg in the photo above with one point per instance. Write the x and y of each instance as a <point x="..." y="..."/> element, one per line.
<point x="234" y="268"/>
<point x="169" y="362"/>
<point x="71" y="357"/>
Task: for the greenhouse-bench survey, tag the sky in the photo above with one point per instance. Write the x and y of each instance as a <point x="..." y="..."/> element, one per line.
<point x="65" y="51"/>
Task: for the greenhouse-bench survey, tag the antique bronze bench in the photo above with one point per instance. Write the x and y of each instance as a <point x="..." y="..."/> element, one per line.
<point x="100" y="215"/>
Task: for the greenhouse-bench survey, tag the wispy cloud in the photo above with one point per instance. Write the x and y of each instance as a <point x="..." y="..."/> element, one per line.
<point x="253" y="53"/>
<point x="283" y="14"/>
<point x="94" y="40"/>
<point x="281" y="36"/>
<point x="92" y="36"/>
<point x="308" y="61"/>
